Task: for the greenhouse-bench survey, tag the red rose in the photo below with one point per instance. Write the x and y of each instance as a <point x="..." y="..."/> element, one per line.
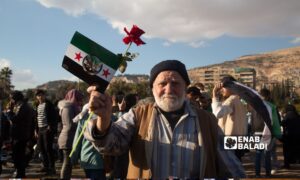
<point x="134" y="35"/>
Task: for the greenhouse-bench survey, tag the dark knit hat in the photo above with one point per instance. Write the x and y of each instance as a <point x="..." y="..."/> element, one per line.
<point x="227" y="80"/>
<point x="17" y="96"/>
<point x="40" y="92"/>
<point x="169" y="65"/>
<point x="193" y="90"/>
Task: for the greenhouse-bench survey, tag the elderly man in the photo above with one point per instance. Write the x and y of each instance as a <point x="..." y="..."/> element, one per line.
<point x="166" y="139"/>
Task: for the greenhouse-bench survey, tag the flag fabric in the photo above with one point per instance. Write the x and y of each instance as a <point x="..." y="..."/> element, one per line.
<point x="90" y="61"/>
<point x="254" y="100"/>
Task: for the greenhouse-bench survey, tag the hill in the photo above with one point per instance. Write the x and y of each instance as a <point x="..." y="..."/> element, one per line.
<point x="271" y="67"/>
<point x="128" y="78"/>
<point x="54" y="85"/>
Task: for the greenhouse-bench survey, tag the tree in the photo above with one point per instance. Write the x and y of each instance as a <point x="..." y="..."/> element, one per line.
<point x="5" y="82"/>
<point x="142" y="89"/>
<point x="118" y="85"/>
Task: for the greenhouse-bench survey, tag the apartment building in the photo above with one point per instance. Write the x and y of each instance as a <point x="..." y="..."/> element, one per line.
<point x="211" y="75"/>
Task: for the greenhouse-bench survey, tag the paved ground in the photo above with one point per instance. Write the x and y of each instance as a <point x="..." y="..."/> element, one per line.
<point x="31" y="171"/>
<point x="293" y="172"/>
<point x="248" y="162"/>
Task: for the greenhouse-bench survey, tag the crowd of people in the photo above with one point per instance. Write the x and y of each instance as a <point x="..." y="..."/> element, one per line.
<point x="177" y="133"/>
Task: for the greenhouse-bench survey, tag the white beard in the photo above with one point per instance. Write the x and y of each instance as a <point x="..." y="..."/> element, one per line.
<point x="169" y="103"/>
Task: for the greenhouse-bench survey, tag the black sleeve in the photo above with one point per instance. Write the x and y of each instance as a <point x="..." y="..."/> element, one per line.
<point x="52" y="116"/>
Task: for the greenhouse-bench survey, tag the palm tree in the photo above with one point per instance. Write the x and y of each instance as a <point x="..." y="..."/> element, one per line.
<point x="5" y="82"/>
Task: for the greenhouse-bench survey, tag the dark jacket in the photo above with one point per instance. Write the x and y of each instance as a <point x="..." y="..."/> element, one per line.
<point x="52" y="116"/>
<point x="23" y="122"/>
<point x="291" y="124"/>
<point x="5" y="127"/>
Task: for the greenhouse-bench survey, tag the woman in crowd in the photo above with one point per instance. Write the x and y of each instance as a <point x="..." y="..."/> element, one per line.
<point x="69" y="107"/>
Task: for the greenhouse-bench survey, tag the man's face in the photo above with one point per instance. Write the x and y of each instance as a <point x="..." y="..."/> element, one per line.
<point x="192" y="97"/>
<point x="40" y="98"/>
<point x="169" y="90"/>
<point x="225" y="92"/>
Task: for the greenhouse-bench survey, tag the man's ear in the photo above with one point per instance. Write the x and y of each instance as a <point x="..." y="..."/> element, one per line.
<point x="152" y="91"/>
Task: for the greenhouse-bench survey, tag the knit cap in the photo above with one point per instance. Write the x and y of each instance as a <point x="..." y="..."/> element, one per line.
<point x="169" y="65"/>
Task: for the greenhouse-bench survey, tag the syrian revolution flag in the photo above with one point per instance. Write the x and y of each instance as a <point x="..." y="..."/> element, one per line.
<point x="256" y="102"/>
<point x="90" y="62"/>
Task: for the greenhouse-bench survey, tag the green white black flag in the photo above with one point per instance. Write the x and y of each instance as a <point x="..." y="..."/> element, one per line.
<point x="90" y="62"/>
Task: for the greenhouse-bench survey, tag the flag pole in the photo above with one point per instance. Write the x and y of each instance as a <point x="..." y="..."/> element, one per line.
<point x="78" y="84"/>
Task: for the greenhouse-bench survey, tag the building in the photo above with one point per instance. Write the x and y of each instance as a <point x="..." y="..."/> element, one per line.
<point x="246" y="76"/>
<point x="211" y="75"/>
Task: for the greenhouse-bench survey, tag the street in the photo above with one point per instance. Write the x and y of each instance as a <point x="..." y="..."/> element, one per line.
<point x="248" y="163"/>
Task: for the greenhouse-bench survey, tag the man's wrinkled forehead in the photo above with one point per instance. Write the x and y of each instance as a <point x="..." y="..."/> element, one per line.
<point x="166" y="76"/>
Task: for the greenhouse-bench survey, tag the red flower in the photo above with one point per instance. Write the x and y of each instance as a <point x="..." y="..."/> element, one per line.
<point x="134" y="36"/>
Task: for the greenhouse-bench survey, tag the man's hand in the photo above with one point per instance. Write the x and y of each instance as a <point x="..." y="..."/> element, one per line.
<point x="122" y="105"/>
<point x="101" y="105"/>
<point x="216" y="90"/>
<point x="36" y="134"/>
<point x="114" y="100"/>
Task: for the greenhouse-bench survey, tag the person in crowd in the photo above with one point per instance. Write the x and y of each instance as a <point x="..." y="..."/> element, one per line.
<point x="59" y="152"/>
<point x="205" y="98"/>
<point x="276" y="131"/>
<point x="205" y="103"/>
<point x="1" y="132"/>
<point x="120" y="163"/>
<point x="291" y="136"/>
<point x="46" y="130"/>
<point x="268" y="155"/>
<point x="22" y="130"/>
<point x="257" y="128"/>
<point x="201" y="88"/>
<point x="69" y="107"/>
<point x="84" y="151"/>
<point x="230" y="111"/>
<point x="193" y="94"/>
<point x="2" y="119"/>
<point x="117" y="101"/>
<point x="166" y="139"/>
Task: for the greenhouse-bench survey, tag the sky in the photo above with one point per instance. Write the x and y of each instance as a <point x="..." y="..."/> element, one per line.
<point x="34" y="34"/>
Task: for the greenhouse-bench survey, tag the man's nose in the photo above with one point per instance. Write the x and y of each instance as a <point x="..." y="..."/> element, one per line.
<point x="169" y="88"/>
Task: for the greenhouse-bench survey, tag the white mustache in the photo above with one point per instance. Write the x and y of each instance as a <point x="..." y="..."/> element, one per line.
<point x="169" y="97"/>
